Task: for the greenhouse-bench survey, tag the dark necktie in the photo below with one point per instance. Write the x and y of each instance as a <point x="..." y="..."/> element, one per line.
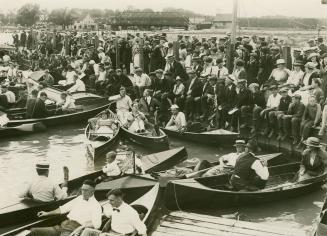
<point x="116" y="209"/>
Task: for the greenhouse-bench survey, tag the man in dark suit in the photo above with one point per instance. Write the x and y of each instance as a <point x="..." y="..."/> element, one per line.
<point x="229" y="102"/>
<point x="193" y="91"/>
<point x="243" y="104"/>
<point x="196" y="66"/>
<point x="208" y="97"/>
<point x="157" y="60"/>
<point x="148" y="104"/>
<point x="175" y="68"/>
<point x="39" y="109"/>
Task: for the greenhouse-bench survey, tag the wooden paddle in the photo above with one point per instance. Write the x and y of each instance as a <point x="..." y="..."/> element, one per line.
<point x="66" y="177"/>
<point x="29" y="127"/>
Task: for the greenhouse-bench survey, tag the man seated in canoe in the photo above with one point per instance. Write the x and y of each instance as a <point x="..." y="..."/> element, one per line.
<point x="111" y="170"/>
<point x="83" y="212"/>
<point x="314" y="159"/>
<point x="43" y="189"/>
<point x="38" y="107"/>
<point x="228" y="160"/>
<point x="103" y="126"/>
<point x="66" y="105"/>
<point x="123" y="218"/>
<point x="177" y="121"/>
<point x="249" y="172"/>
<point x="120" y="164"/>
<point x="136" y="119"/>
<point x="123" y="104"/>
<point x="78" y="85"/>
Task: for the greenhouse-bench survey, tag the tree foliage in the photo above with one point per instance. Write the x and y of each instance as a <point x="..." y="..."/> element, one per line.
<point x="63" y="16"/>
<point x="28" y="14"/>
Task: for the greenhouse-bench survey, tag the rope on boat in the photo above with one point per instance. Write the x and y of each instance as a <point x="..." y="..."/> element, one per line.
<point x="176" y="200"/>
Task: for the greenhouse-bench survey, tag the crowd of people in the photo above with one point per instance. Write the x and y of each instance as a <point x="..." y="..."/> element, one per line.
<point x="192" y="80"/>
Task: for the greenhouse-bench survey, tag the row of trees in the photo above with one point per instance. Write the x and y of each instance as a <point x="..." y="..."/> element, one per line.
<point x="30" y="13"/>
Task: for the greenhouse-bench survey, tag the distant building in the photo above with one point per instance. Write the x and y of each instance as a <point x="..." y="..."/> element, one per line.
<point x="85" y="23"/>
<point x="222" y="21"/>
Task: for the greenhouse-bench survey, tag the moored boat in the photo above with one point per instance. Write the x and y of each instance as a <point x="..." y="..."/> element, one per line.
<point x="25" y="210"/>
<point x="214" y="191"/>
<point x="21" y="130"/>
<point x="98" y="145"/>
<point x="134" y="186"/>
<point x="320" y="226"/>
<point x="148" y="201"/>
<point x="89" y="107"/>
<point x="213" y="137"/>
<point x="149" y="139"/>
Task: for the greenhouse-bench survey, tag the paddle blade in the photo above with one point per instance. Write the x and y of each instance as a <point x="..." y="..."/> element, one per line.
<point x="66" y="176"/>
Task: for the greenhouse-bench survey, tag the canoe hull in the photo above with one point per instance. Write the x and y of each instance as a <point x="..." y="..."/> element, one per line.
<point x="26" y="209"/>
<point x="193" y="193"/>
<point x="210" y="139"/>
<point x="100" y="151"/>
<point x="22" y="130"/>
<point x="160" y="143"/>
<point x="76" y="117"/>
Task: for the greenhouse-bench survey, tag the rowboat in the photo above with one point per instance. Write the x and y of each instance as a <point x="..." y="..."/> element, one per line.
<point x="98" y="146"/>
<point x="21" y="130"/>
<point x="25" y="210"/>
<point x="87" y="105"/>
<point x="214" y="191"/>
<point x="149" y="139"/>
<point x="320" y="227"/>
<point x="135" y="186"/>
<point x="147" y="201"/>
<point x="189" y="172"/>
<point x="213" y="137"/>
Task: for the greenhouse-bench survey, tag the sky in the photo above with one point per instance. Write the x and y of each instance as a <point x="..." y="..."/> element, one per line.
<point x="298" y="8"/>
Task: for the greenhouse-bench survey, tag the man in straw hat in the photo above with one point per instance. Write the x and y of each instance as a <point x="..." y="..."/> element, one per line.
<point x="314" y="159"/>
<point x="249" y="172"/>
<point x="43" y="189"/>
<point x="281" y="73"/>
<point x="177" y="121"/>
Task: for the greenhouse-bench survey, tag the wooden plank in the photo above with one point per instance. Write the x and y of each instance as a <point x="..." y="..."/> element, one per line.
<point x="242" y="224"/>
<point x="206" y="231"/>
<point x="204" y="226"/>
<point x="181" y="232"/>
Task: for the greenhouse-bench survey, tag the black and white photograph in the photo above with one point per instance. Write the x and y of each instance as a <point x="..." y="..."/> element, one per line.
<point x="163" y="118"/>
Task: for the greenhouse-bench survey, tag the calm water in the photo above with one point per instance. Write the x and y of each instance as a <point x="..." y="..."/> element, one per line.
<point x="65" y="146"/>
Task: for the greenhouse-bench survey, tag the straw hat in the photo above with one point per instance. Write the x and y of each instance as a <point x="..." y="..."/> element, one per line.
<point x="312" y="142"/>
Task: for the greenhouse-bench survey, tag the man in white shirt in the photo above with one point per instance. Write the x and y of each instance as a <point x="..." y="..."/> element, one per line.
<point x="79" y="85"/>
<point x="67" y="104"/>
<point x="124" y="219"/>
<point x="83" y="211"/>
<point x="141" y="81"/>
<point x="42" y="188"/>
<point x="249" y="173"/>
<point x="222" y="70"/>
<point x="177" y="121"/>
<point x="123" y="104"/>
<point x="272" y="104"/>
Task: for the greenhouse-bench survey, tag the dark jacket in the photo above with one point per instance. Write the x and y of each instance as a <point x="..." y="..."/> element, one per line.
<point x="35" y="108"/>
<point x="296" y="110"/>
<point x="244" y="98"/>
<point x="196" y="88"/>
<point x="284" y="103"/>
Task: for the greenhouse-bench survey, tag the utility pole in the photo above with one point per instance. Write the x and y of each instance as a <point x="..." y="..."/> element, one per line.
<point x="231" y="44"/>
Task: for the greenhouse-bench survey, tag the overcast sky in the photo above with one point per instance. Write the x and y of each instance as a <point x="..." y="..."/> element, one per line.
<point x="301" y="8"/>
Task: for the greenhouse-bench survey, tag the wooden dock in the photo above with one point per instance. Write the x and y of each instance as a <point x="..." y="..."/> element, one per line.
<point x="191" y="224"/>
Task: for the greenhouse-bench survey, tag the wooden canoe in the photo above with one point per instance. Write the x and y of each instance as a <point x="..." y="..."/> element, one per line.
<point x="213" y="191"/>
<point x="213" y="137"/>
<point x="135" y="186"/>
<point x="149" y="200"/>
<point x="171" y="174"/>
<point x="90" y="105"/>
<point x="22" y="130"/>
<point x="97" y="148"/>
<point x="320" y="226"/>
<point x="148" y="140"/>
<point x="25" y="210"/>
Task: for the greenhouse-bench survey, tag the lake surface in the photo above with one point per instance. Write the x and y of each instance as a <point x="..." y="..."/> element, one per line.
<point x="65" y="146"/>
